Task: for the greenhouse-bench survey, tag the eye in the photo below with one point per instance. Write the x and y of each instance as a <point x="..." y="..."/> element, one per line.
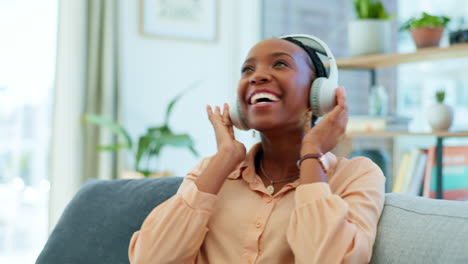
<point x="281" y="64"/>
<point x="247" y="69"/>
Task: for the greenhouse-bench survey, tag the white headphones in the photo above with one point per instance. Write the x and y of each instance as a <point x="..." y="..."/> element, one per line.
<point x="322" y="91"/>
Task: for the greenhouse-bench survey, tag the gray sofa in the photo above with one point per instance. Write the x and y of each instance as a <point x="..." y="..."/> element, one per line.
<point x="97" y="225"/>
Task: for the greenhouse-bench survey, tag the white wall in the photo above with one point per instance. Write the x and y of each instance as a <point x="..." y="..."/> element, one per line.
<point x="154" y="70"/>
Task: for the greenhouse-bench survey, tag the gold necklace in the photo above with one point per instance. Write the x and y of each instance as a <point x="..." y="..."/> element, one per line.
<point x="270" y="189"/>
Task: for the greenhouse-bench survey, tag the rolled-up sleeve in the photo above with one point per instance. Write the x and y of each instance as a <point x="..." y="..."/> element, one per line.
<point x="174" y="231"/>
<point x="338" y="227"/>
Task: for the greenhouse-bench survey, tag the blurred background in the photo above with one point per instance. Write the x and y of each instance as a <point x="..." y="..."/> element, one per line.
<point x="79" y="74"/>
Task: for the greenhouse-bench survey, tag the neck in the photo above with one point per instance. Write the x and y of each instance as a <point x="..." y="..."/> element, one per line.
<point x="281" y="150"/>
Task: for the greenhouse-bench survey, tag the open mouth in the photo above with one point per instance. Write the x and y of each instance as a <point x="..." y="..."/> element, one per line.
<point x="263" y="98"/>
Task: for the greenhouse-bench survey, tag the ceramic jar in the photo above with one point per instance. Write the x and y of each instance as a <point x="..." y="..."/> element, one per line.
<point x="440" y="116"/>
<point x="369" y="36"/>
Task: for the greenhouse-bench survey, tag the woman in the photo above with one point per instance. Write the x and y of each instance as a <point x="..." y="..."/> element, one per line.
<point x="261" y="206"/>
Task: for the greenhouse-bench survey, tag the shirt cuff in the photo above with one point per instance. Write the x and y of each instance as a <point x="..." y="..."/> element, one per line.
<point x="307" y="193"/>
<point x="196" y="199"/>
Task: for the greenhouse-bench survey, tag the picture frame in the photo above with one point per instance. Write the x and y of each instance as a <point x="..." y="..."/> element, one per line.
<point x="179" y="19"/>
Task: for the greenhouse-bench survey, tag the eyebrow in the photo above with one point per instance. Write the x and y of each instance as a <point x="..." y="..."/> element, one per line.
<point x="274" y="55"/>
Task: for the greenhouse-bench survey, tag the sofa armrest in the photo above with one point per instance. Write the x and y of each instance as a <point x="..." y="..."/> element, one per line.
<point x="97" y="224"/>
<point x="421" y="230"/>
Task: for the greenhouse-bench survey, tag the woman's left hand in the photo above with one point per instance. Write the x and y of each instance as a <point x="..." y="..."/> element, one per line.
<point x="324" y="136"/>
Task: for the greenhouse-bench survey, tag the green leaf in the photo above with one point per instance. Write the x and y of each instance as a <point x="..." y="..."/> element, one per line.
<point x="380" y="11"/>
<point x="143" y="145"/>
<point x="174" y="101"/>
<point x="182" y="140"/>
<point x="370" y="9"/>
<point x="194" y="151"/>
<point x="156" y="131"/>
<point x="114" y="147"/>
<point x="440" y="96"/>
<point x="145" y="173"/>
<point x="171" y="139"/>
<point x="425" y="20"/>
<point x="113" y="126"/>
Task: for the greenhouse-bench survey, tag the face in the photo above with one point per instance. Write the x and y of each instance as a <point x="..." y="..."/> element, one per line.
<point x="274" y="86"/>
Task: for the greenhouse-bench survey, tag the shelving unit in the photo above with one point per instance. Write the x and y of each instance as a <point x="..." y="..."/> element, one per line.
<point x="387" y="134"/>
<point x="374" y="62"/>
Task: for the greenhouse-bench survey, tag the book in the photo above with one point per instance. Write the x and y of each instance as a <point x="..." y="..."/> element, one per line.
<point x="409" y="172"/>
<point x="397" y="186"/>
<point x="416" y="184"/>
<point x="455" y="173"/>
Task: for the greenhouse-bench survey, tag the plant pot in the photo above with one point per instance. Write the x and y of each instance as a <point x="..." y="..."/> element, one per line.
<point x="440" y="117"/>
<point x="139" y="175"/>
<point x="368" y="36"/>
<point x="427" y="37"/>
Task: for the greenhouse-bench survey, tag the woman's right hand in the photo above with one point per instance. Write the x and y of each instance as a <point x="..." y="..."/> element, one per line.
<point x="228" y="146"/>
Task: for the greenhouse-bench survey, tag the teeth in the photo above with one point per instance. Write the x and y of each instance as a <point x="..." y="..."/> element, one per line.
<point x="255" y="99"/>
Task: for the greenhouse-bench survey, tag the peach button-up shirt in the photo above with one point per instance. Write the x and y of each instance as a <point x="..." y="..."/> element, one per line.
<point x="328" y="223"/>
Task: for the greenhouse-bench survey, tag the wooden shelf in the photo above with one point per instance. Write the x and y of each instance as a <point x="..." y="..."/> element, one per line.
<point x="388" y="60"/>
<point x="385" y="134"/>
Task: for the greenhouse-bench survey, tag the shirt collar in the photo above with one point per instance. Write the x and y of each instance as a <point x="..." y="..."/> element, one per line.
<point x="249" y="162"/>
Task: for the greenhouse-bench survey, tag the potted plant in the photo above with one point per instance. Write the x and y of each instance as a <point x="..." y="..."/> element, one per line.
<point x="426" y="30"/>
<point x="370" y="32"/>
<point x="440" y="115"/>
<point x="147" y="148"/>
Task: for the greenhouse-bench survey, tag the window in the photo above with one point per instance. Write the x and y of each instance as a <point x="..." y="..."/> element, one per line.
<point x="27" y="52"/>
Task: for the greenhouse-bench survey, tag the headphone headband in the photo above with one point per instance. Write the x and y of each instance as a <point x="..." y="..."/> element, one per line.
<point x="319" y="46"/>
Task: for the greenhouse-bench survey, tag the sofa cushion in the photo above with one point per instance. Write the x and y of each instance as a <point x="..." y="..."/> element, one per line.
<point x="421" y="230"/>
<point x="98" y="223"/>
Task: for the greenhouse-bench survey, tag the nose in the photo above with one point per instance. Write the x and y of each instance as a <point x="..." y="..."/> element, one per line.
<point x="260" y="77"/>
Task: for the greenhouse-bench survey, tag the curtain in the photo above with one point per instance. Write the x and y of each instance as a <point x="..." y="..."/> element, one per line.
<point x="101" y="95"/>
<point x="86" y="81"/>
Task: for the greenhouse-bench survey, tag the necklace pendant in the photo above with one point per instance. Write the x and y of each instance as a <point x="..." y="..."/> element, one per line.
<point x="270" y="189"/>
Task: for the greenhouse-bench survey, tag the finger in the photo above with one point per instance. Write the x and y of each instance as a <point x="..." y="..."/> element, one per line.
<point x="209" y="111"/>
<point x="341" y="96"/>
<point x="340" y="103"/>
<point x="226" y="118"/>
<point x="217" y="111"/>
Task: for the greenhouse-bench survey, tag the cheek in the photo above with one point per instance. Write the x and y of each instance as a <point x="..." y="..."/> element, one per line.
<point x="241" y="92"/>
<point x="241" y="87"/>
<point x="302" y="94"/>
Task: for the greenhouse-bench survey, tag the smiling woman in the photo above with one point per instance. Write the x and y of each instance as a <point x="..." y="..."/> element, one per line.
<point x="288" y="200"/>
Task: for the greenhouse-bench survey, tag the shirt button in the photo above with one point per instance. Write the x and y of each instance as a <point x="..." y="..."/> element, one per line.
<point x="258" y="225"/>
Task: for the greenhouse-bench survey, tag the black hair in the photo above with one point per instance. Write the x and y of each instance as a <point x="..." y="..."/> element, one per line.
<point x="318" y="65"/>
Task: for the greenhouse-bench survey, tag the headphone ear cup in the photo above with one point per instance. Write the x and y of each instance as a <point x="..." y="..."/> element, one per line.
<point x="236" y="115"/>
<point x="314" y="97"/>
<point x="322" y="96"/>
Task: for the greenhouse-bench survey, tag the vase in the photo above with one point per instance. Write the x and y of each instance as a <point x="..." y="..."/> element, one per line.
<point x="440" y="117"/>
<point x="426" y="37"/>
<point x="369" y="36"/>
